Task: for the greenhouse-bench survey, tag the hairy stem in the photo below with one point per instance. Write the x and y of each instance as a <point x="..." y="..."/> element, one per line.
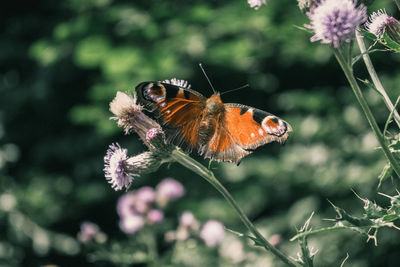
<point x="199" y="169"/>
<point x="361" y="100"/>
<point x="375" y="78"/>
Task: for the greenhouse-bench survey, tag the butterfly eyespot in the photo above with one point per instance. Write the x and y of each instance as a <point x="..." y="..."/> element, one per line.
<point x="155" y="92"/>
<point x="274" y="126"/>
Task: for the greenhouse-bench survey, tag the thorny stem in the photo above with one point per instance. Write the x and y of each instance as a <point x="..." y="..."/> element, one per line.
<point x="199" y="169"/>
<point x="357" y="92"/>
<point x="375" y="78"/>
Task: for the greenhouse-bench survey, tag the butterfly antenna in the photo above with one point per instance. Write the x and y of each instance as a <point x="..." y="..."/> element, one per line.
<point x="232" y="90"/>
<point x="205" y="74"/>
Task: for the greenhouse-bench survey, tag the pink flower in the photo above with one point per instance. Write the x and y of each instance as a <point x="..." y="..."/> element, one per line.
<point x="187" y="219"/>
<point x="126" y="204"/>
<point x="91" y="232"/>
<point x="144" y="197"/>
<point x="132" y="223"/>
<point x="169" y="189"/>
<point x="155" y="216"/>
<point x="212" y="233"/>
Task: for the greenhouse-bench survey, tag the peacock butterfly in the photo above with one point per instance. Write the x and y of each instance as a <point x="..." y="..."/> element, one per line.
<point x="222" y="132"/>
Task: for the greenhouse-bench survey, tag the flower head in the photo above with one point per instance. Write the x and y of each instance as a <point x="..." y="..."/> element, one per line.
<point x="144" y="197"/>
<point x="155" y="216"/>
<point x="379" y="21"/>
<point x="256" y="4"/>
<point x="132" y="223"/>
<point x="335" y="21"/>
<point x="187" y="219"/>
<point x="130" y="115"/>
<point x="116" y="167"/>
<point x="126" y="205"/>
<point x="169" y="189"/>
<point x="91" y="231"/>
<point x="212" y="233"/>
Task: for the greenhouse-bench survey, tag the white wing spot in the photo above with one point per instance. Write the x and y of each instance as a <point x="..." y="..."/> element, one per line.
<point x="163" y="104"/>
<point x="261" y="132"/>
<point x="252" y="135"/>
<point x="168" y="111"/>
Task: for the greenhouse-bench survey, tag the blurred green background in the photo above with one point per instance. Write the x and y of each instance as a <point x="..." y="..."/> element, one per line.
<point x="62" y="62"/>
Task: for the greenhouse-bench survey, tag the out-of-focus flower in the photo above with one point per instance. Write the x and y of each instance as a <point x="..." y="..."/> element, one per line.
<point x="167" y="190"/>
<point x="232" y="249"/>
<point x="256" y="4"/>
<point x="155" y="216"/>
<point x="187" y="219"/>
<point x="126" y="204"/>
<point x="144" y="197"/>
<point x="116" y="167"/>
<point x="212" y="233"/>
<point x="91" y="232"/>
<point x="379" y="22"/>
<point x="132" y="223"/>
<point x="335" y="21"/>
<point x="275" y="239"/>
<point x="7" y="202"/>
<point x="170" y="236"/>
<point x="182" y="233"/>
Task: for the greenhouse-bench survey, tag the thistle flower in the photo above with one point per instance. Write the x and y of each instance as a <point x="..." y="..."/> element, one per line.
<point x="169" y="189"/>
<point x="144" y="197"/>
<point x="155" y="216"/>
<point x="116" y="167"/>
<point x="132" y="223"/>
<point x="187" y="219"/>
<point x="256" y="4"/>
<point x="91" y="232"/>
<point x="126" y="205"/>
<point x="130" y="115"/>
<point x="335" y="21"/>
<point x="212" y="233"/>
<point x="379" y="22"/>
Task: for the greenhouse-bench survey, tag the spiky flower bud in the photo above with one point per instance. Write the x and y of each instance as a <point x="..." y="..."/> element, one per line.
<point x="379" y="22"/>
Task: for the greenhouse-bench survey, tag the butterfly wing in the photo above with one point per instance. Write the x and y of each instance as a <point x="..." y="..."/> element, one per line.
<point x="241" y="130"/>
<point x="179" y="110"/>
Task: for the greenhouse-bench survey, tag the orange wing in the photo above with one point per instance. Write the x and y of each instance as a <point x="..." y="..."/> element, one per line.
<point x="241" y="130"/>
<point x="179" y="110"/>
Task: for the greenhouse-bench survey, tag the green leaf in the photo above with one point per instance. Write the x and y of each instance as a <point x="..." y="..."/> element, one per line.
<point x="387" y="41"/>
<point x="370" y="85"/>
<point x="390" y="217"/>
<point x="386" y="173"/>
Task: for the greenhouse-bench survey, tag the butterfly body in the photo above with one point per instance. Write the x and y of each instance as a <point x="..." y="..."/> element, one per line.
<point x="222" y="132"/>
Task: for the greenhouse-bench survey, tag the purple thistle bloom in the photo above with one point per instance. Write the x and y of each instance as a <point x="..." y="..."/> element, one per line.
<point x="155" y="216"/>
<point x="212" y="233"/>
<point x="91" y="231"/>
<point x="144" y="197"/>
<point x="132" y="223"/>
<point x="378" y="22"/>
<point x="256" y="4"/>
<point x="169" y="189"/>
<point x="187" y="219"/>
<point x="116" y="167"/>
<point x="335" y="21"/>
<point x="126" y="205"/>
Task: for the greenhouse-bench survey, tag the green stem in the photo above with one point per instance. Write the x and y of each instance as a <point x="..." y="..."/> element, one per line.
<point x="375" y="78"/>
<point x="397" y="3"/>
<point x="357" y="92"/>
<point x="199" y="169"/>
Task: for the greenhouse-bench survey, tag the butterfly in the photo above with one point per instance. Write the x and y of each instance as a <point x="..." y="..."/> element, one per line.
<point x="219" y="131"/>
